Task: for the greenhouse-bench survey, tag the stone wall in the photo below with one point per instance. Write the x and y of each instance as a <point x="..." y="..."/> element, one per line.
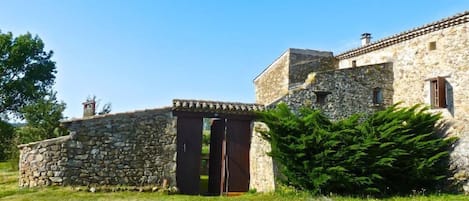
<point x="135" y="149"/>
<point x="261" y="165"/>
<point x="291" y="68"/>
<point x="272" y="83"/>
<point x="415" y="63"/>
<point x="302" y="62"/>
<point x="43" y="163"/>
<point x="349" y="90"/>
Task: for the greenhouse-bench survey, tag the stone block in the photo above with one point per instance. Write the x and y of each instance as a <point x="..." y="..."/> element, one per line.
<point x="81" y="157"/>
<point x="50" y="173"/>
<point x="56" y="179"/>
<point x="74" y="163"/>
<point x="119" y="144"/>
<point x="39" y="157"/>
<point x="58" y="173"/>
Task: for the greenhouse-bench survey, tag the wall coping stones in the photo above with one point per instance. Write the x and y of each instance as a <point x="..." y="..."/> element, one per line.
<point x="454" y="20"/>
<point x="47" y="142"/>
<point x="115" y="114"/>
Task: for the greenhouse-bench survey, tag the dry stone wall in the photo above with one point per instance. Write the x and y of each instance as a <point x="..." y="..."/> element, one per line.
<point x="43" y="163"/>
<point x="134" y="149"/>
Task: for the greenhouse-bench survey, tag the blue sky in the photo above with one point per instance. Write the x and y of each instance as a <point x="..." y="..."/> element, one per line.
<point x="143" y="54"/>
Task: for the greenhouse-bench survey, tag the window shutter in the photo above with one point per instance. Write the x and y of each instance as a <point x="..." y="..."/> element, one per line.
<point x="441" y="92"/>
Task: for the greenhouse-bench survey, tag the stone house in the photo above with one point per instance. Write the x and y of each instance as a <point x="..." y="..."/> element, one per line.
<point x="428" y="64"/>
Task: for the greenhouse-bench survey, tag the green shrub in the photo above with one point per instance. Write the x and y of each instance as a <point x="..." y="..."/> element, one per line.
<point x="206" y="142"/>
<point x="393" y="151"/>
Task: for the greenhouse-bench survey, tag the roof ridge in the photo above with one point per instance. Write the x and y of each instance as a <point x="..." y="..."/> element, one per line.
<point x="456" y="19"/>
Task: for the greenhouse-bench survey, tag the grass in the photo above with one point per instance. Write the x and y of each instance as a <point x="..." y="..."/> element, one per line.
<point x="203" y="184"/>
<point x="9" y="191"/>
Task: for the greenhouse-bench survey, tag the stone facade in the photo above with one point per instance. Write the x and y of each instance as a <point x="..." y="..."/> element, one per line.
<point x="415" y="63"/>
<point x="302" y="62"/>
<point x="349" y="91"/>
<point x="139" y="148"/>
<point x="289" y="70"/>
<point x="134" y="149"/>
<point x="403" y="66"/>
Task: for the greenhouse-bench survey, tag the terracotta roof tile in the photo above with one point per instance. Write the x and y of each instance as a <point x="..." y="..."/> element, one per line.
<point x="215" y="106"/>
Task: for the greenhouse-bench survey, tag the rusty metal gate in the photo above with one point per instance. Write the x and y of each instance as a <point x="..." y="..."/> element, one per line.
<point x="229" y="145"/>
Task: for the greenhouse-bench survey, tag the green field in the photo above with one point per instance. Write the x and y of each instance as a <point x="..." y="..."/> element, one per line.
<point x="9" y="191"/>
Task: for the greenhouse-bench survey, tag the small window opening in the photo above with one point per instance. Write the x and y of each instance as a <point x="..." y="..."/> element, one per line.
<point x="438" y="92"/>
<point x="321" y="99"/>
<point x="321" y="96"/>
<point x="378" y="96"/>
<point x="354" y="63"/>
<point x="432" y="45"/>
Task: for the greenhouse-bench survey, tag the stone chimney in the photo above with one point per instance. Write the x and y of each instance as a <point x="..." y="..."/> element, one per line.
<point x="366" y="39"/>
<point x="89" y="108"/>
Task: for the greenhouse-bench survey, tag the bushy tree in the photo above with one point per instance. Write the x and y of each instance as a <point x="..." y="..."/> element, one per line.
<point x="393" y="151"/>
<point x="27" y="74"/>
<point x="6" y="135"/>
<point x="42" y="120"/>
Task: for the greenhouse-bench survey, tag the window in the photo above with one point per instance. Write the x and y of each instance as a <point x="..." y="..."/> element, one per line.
<point x="438" y="92"/>
<point x="432" y="45"/>
<point x="354" y="63"/>
<point x="321" y="96"/>
<point x="378" y="96"/>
